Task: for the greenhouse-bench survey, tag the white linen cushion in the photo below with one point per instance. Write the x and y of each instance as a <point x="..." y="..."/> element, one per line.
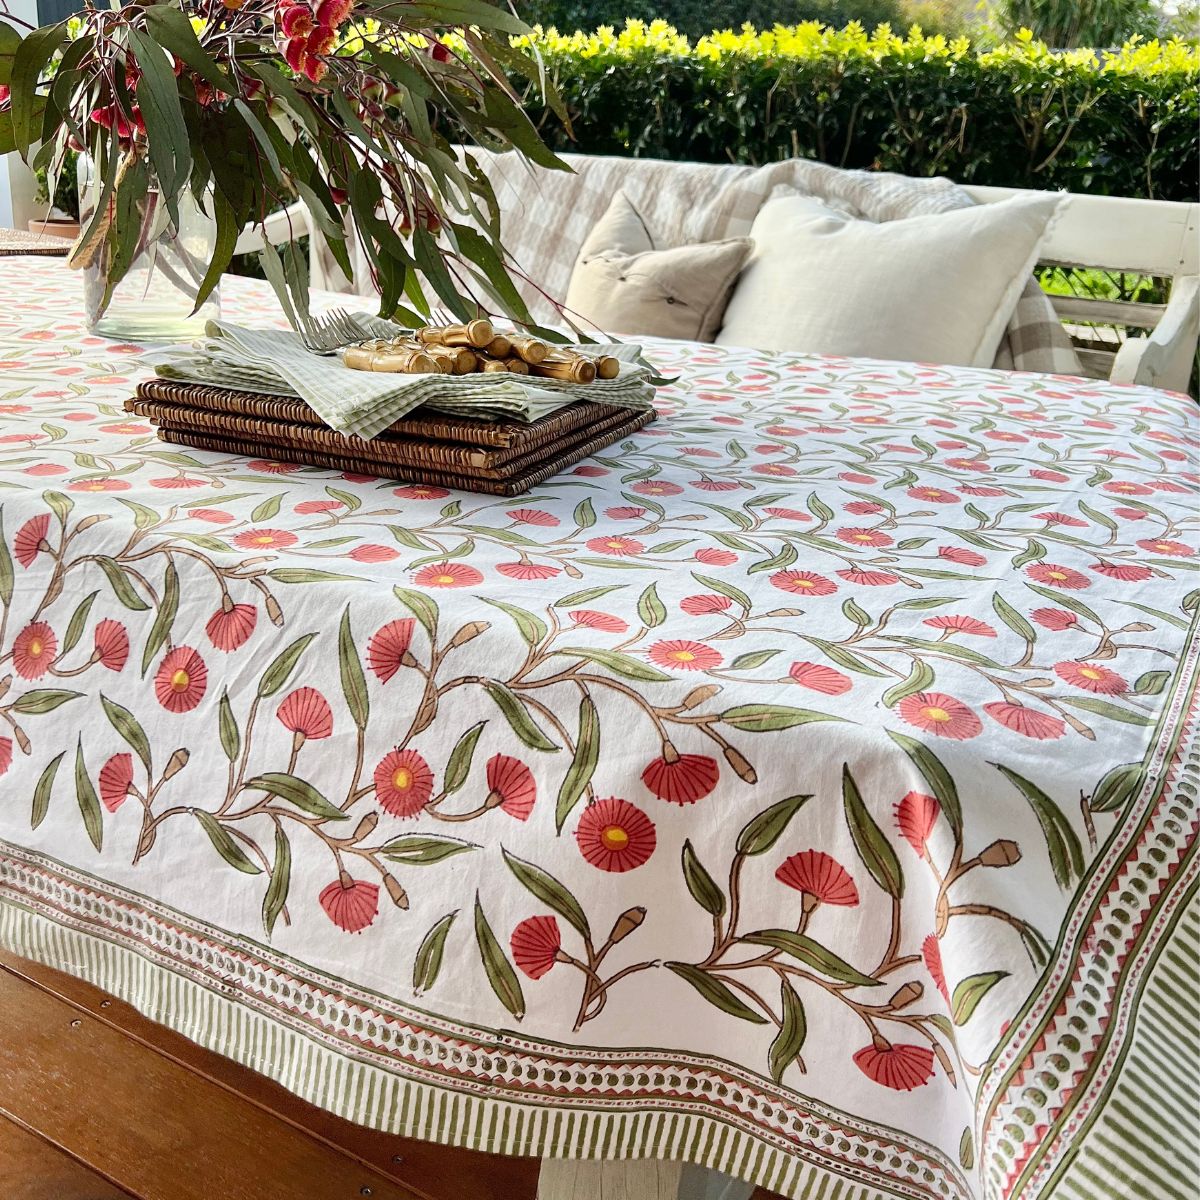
<point x="937" y="288"/>
<point x="623" y="284"/>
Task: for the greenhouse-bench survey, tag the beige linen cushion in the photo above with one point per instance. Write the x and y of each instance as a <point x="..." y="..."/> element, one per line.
<point x="937" y="288"/>
<point x="622" y="284"/>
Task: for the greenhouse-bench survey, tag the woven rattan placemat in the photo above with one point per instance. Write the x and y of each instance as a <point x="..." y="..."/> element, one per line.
<point x="393" y="453"/>
<point x="21" y="241"/>
<point x="553" y="460"/>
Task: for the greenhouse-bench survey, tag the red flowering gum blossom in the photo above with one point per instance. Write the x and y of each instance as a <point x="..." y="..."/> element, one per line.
<point x="332" y="13"/>
<point x="295" y="20"/>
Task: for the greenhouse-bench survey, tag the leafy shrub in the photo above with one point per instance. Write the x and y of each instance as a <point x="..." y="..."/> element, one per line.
<point x="1121" y="123"/>
<point x="698" y="17"/>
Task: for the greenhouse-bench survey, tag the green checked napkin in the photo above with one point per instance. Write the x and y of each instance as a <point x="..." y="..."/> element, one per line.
<point x="364" y="402"/>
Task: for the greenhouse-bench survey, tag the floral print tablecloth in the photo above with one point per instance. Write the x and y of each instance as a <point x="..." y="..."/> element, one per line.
<point x="805" y="787"/>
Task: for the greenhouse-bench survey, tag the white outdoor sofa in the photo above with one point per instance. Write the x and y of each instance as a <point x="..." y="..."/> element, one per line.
<point x="1125" y="342"/>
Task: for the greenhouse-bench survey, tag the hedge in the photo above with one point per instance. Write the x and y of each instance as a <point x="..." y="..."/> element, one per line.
<point x="1122" y="123"/>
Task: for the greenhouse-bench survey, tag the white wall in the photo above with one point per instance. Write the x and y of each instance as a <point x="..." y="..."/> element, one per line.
<point x="17" y="184"/>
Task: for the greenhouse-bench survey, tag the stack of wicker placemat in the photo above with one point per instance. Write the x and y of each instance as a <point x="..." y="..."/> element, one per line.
<point x="504" y="458"/>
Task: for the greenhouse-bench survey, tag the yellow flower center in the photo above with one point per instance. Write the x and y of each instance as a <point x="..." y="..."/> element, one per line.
<point x="802" y="583"/>
<point x="264" y="539"/>
<point x="613" y="544"/>
<point x="180" y="681"/>
<point x="1089" y="672"/>
<point x="682" y="655"/>
<point x="614" y="837"/>
<point x="937" y="714"/>
<point x="1162" y="545"/>
<point x="402" y="779"/>
<point x="1057" y="575"/>
<point x="862" y="537"/>
<point x="35" y="648"/>
<point x="444" y="579"/>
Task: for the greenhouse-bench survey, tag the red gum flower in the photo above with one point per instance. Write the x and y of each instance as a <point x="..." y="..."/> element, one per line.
<point x="306" y="713"/>
<point x="181" y="680"/>
<point x="899" y="1067"/>
<point x="1126" y="572"/>
<point x="615" y="836"/>
<point x="230" y="628"/>
<point x="815" y="874"/>
<point x="511" y="786"/>
<point x="305" y="507"/>
<point x="858" y="536"/>
<point x="651" y="487"/>
<point x="803" y="583"/>
<point x="820" y="678"/>
<point x="624" y="512"/>
<point x="962" y="624"/>
<point x="589" y="618"/>
<point x="351" y="904"/>
<point x="1166" y="546"/>
<point x="1125" y="487"/>
<point x="265" y="539"/>
<point x="1091" y="677"/>
<point x="700" y="606"/>
<point x="533" y="516"/>
<point x="295" y="20"/>
<point x="31" y="539"/>
<point x="716" y="558"/>
<point x="214" y="516"/>
<point x="684" y="655"/>
<point x="369" y="552"/>
<point x="916" y="816"/>
<point x="1026" y="721"/>
<point x="34" y="649"/>
<point x="931" y="952"/>
<point x="388" y="646"/>
<point x="116" y="776"/>
<point x="619" y="547"/>
<point x="528" y="570"/>
<point x="934" y="495"/>
<point x="1057" y="518"/>
<point x="1054" y="618"/>
<point x="682" y="780"/>
<point x="868" y="578"/>
<point x="536" y="943"/>
<point x="332" y="13"/>
<point x="6" y="754"/>
<point x="787" y="514"/>
<point x="403" y="783"/>
<point x="112" y="644"/>
<point x="956" y="554"/>
<point x="938" y="713"/>
<point x="320" y="41"/>
<point x="420" y="491"/>
<point x="1053" y="575"/>
<point x="447" y="574"/>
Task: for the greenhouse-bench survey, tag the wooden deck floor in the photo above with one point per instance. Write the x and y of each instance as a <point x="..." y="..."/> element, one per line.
<point x="99" y="1103"/>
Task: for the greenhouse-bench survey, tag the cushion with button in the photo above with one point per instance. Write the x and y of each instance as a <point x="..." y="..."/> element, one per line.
<point x="623" y="284"/>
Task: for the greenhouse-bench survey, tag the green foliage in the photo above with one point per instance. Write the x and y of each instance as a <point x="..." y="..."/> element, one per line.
<point x="698" y="17"/>
<point x="358" y="118"/>
<point x="1068" y="23"/>
<point x="1120" y="123"/>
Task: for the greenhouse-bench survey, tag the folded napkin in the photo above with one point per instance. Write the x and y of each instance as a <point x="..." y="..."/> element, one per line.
<point x="364" y="403"/>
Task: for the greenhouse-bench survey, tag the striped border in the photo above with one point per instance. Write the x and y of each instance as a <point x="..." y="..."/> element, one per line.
<point x="452" y="1085"/>
<point x="1141" y="1144"/>
<point x="1043" y="1090"/>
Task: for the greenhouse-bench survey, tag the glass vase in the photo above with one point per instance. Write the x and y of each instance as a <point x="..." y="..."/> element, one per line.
<point x="156" y="299"/>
